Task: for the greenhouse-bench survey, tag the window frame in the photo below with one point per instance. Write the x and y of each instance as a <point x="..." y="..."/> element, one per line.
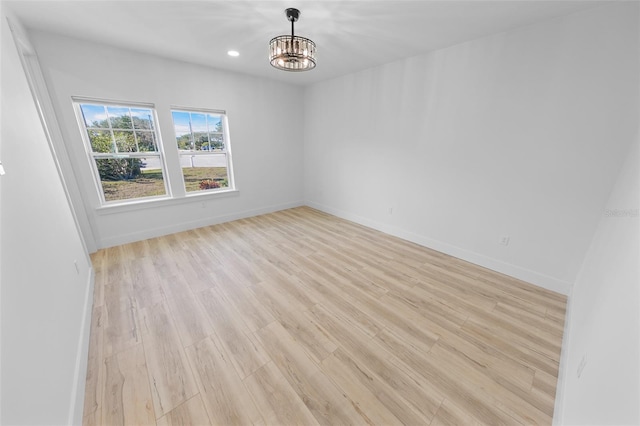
<point x="93" y="156"/>
<point x="226" y="138"/>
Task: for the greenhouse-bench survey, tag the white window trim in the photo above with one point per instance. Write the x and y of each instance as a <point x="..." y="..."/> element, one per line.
<point x="154" y="202"/>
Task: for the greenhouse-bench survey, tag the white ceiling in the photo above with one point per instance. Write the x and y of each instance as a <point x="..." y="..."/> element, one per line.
<point x="350" y="35"/>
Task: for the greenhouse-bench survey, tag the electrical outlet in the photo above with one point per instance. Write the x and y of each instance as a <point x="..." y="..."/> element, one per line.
<point x="582" y="365"/>
<point x="504" y="240"/>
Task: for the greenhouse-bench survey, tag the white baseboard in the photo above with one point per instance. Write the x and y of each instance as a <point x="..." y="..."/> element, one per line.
<point x="117" y="240"/>
<point x="536" y="278"/>
<point x="563" y="372"/>
<point x="76" y="404"/>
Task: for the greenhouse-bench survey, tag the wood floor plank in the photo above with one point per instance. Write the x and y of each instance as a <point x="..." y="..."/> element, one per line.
<point x="127" y="398"/>
<point x="195" y="274"/>
<point x="276" y="399"/>
<point x="509" y="402"/>
<point x="189" y="317"/>
<point x="539" y="326"/>
<point x="225" y="397"/>
<point x="436" y="309"/>
<point x="158" y="246"/>
<point x="450" y="415"/>
<point x="447" y="382"/>
<point x="387" y="278"/>
<point x="350" y="277"/>
<point x="536" y="357"/>
<point x="544" y="389"/>
<point x="95" y="369"/>
<point x="136" y="250"/>
<point x="424" y="398"/>
<point x="369" y="396"/>
<point x="297" y="321"/>
<point x="98" y="260"/>
<point x="254" y="314"/>
<point x="146" y="284"/>
<point x="452" y="385"/>
<point x="346" y="311"/>
<point x="509" y="372"/>
<point x="327" y="404"/>
<point x="395" y="316"/>
<point x="518" y="331"/>
<point x="122" y="330"/>
<point x="298" y="317"/>
<point x="191" y="412"/>
<point x="246" y="354"/>
<point x="170" y="378"/>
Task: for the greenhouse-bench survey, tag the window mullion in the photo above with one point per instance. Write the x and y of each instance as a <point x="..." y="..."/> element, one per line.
<point x="133" y="129"/>
<point x="171" y="156"/>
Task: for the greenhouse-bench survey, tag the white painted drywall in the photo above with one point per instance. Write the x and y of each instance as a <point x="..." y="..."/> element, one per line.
<point x="43" y="297"/>
<point x="518" y="134"/>
<point x="603" y="338"/>
<point x="265" y="118"/>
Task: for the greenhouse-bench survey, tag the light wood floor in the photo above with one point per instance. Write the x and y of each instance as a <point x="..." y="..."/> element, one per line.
<point x="298" y="317"/>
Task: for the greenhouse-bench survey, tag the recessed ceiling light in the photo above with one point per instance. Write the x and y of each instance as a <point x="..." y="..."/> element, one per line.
<point x="233" y="53"/>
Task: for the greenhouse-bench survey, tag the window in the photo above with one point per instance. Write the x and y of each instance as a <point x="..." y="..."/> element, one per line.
<point x="131" y="165"/>
<point x="123" y="143"/>
<point x="203" y="147"/>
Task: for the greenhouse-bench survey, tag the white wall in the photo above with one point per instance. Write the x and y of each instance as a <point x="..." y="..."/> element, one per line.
<point x="519" y="134"/>
<point x="44" y="300"/>
<point x="267" y="159"/>
<point x="604" y="317"/>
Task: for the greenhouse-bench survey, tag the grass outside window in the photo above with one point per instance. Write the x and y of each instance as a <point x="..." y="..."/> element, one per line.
<point x="150" y="183"/>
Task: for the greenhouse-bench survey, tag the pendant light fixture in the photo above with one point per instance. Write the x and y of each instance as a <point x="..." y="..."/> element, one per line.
<point x="292" y="53"/>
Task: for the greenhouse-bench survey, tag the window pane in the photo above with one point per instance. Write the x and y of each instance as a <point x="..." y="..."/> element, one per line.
<point x="215" y="123"/>
<point x="146" y="141"/>
<point x="142" y="119"/>
<point x="216" y="141"/>
<point x="198" y="123"/>
<point x="129" y="178"/>
<point x="94" y="116"/>
<point x="182" y="129"/>
<point x="184" y="142"/>
<point x="101" y="140"/>
<point x="151" y="162"/>
<point x="200" y="141"/>
<point x="204" y="172"/>
<point x="180" y="122"/>
<point x="125" y="141"/>
<point x="120" y="118"/>
<point x="199" y="133"/>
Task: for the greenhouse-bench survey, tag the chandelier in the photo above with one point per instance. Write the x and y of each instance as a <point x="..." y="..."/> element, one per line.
<point x="292" y="53"/>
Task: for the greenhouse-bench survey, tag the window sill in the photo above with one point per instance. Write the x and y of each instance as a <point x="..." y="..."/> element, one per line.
<point x="161" y="202"/>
